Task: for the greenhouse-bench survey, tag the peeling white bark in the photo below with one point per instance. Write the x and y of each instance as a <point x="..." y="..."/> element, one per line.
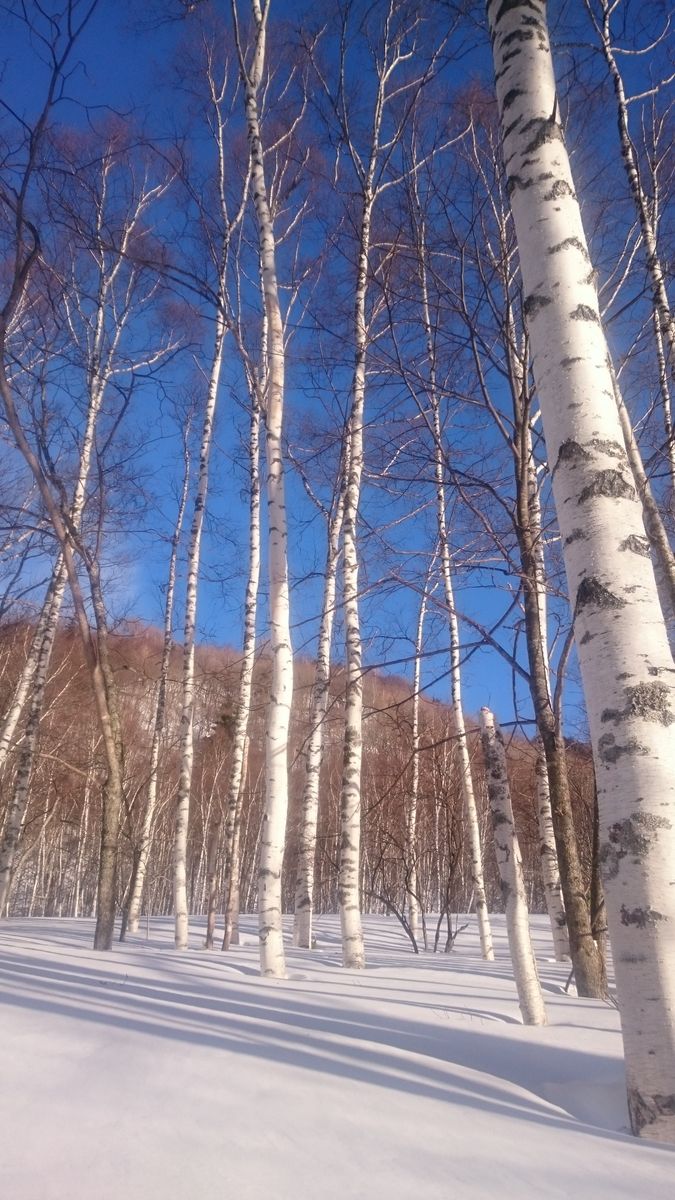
<point x="626" y="664"/>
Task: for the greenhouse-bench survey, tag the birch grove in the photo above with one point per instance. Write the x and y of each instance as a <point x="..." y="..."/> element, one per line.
<point x="272" y="959"/>
<point x="330" y="428"/>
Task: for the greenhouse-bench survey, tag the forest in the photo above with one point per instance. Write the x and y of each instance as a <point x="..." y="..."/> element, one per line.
<point x="337" y="497"/>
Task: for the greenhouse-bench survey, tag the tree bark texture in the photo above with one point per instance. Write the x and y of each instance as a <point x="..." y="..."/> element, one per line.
<point x="625" y="660"/>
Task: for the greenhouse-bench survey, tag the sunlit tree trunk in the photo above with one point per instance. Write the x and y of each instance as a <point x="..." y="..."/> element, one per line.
<point x="272" y="961"/>
<point x="664" y="317"/>
<point x="48" y="619"/>
<point x="304" y="885"/>
<point x="459" y="726"/>
<point x="411" y="849"/>
<point x="180" y="897"/>
<point x="235" y="791"/>
<point x="626" y="664"/>
<point x="131" y="915"/>
<point x="510" y="866"/>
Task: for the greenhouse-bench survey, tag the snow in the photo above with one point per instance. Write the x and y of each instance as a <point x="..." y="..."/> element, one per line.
<point x="148" y="1074"/>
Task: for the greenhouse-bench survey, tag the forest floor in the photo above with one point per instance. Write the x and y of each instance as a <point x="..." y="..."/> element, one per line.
<point x="147" y="1074"/>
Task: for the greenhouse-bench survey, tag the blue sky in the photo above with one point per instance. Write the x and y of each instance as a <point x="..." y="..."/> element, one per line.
<point x="126" y="69"/>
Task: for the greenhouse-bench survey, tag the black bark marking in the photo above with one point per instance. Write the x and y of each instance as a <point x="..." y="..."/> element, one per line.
<point x="508" y="6"/>
<point x="642" y="918"/>
<point x="517" y="181"/>
<point x="508" y="129"/>
<point x="632" y="837"/>
<point x="583" y="312"/>
<point x="534" y="304"/>
<point x="571" y="453"/>
<point x="636" y="545"/>
<point x="517" y="35"/>
<point x="645" y="1110"/>
<point x="570" y="242"/>
<point x="650" y="701"/>
<point x="511" y="97"/>
<point x="546" y="129"/>
<point x="610" y="752"/>
<point x="577" y="535"/>
<point x="569" y="362"/>
<point x="560" y="188"/>
<point x="608" y="483"/>
<point x="592" y="593"/>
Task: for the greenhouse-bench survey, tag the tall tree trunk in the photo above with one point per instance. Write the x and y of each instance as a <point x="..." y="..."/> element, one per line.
<point x="16" y="813"/>
<point x="353" y="951"/>
<point x="304" y="883"/>
<point x="235" y="791"/>
<point x="561" y="867"/>
<point x="510" y="866"/>
<point x="411" y="849"/>
<point x="466" y="780"/>
<point x="182" y="816"/>
<point x="662" y="555"/>
<point x="626" y="664"/>
<point x="655" y="270"/>
<point x="48" y="619"/>
<point x="273" y="838"/>
<point x="132" y="911"/>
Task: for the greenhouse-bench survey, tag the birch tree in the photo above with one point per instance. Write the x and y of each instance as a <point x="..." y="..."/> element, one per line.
<point x="625" y="660"/>
<point x="272" y="961"/>
<point x="398" y="86"/>
<point x="235" y="790"/>
<point x="601" y="13"/>
<point x="510" y="866"/>
<point x="446" y="568"/>
<point x="132" y="908"/>
<point x="220" y="248"/>
<point x="304" y="883"/>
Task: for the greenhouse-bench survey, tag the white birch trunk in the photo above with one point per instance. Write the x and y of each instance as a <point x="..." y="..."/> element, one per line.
<point x="273" y="836"/>
<point x="353" y="950"/>
<point x="138" y="880"/>
<point x="36" y="670"/>
<point x="666" y="321"/>
<point x="49" y="615"/>
<point x="550" y="869"/>
<point x="304" y="885"/>
<point x="234" y="864"/>
<point x="235" y="791"/>
<point x="510" y="865"/>
<point x="466" y="781"/>
<point x="626" y="664"/>
<point x="182" y="816"/>
<point x="411" y="851"/>
<point x="662" y="555"/>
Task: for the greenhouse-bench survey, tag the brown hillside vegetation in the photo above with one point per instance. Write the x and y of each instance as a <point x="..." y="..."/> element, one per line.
<point x="56" y="868"/>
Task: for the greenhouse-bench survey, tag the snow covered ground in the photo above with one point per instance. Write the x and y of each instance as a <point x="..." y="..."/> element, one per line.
<point x="146" y="1074"/>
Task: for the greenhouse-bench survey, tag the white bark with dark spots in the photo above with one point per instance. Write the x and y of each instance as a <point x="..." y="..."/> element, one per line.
<point x="273" y="834"/>
<point x="510" y="865"/>
<point x="626" y="665"/>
